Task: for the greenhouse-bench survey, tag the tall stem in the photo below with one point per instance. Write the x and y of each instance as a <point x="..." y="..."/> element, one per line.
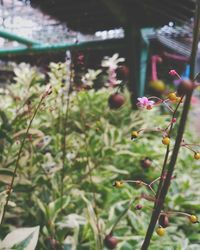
<point x="167" y="153"/>
<point x="171" y="166"/>
<point x="83" y="122"/>
<point x="18" y="158"/>
<point x="64" y="125"/>
<point x="122" y="215"/>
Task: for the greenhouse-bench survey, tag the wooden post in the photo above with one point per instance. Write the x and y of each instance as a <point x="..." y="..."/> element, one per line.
<point x="133" y="54"/>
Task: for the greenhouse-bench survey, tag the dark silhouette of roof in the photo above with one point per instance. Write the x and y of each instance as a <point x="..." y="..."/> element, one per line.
<point x="88" y="16"/>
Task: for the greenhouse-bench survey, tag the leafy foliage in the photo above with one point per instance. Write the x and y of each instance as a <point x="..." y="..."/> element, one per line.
<point x="67" y="189"/>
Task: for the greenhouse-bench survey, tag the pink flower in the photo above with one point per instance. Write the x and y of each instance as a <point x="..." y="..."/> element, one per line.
<point x="174" y="120"/>
<point x="144" y="102"/>
<point x="174" y="73"/>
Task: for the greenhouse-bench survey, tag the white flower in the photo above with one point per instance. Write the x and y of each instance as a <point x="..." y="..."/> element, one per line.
<point x="112" y="62"/>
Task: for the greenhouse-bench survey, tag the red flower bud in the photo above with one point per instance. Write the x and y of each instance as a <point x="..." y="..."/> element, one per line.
<point x="110" y="241"/>
<point x="174" y="120"/>
<point x="146" y="162"/>
<point x="164" y="220"/>
<point x="116" y="100"/>
<point x="184" y="87"/>
<point x="138" y="207"/>
<point x="122" y="72"/>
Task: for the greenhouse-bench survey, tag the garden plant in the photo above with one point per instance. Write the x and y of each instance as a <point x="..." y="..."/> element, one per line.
<point x="80" y="169"/>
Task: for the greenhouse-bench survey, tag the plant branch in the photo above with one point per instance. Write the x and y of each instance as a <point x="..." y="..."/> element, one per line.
<point x="18" y="158"/>
<point x="160" y="201"/>
<point x="122" y="215"/>
<point x="64" y="125"/>
<point x="83" y="123"/>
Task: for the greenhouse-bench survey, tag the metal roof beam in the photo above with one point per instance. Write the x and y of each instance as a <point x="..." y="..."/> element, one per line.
<point x="13" y="37"/>
<point x="104" y="44"/>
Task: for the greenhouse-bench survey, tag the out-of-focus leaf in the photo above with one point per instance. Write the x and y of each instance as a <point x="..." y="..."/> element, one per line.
<point x="32" y="131"/>
<point x="56" y="206"/>
<point x="21" y="239"/>
<point x="3" y="196"/>
<point x="5" y="171"/>
<point x="115" y="170"/>
<point x="72" y="221"/>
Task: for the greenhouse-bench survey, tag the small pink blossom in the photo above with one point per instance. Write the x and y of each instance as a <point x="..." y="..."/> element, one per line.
<point x="112" y="76"/>
<point x="144" y="102"/>
<point x="174" y="120"/>
<point x="174" y="73"/>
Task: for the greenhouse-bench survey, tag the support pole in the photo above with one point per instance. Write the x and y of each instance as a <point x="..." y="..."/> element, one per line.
<point x="133" y="49"/>
<point x="13" y="37"/>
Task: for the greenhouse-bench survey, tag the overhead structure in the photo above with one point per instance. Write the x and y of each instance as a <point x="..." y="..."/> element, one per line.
<point x="89" y="16"/>
<point x="58" y="25"/>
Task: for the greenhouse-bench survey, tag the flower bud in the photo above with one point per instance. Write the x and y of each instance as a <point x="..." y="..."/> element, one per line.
<point x="110" y="241"/>
<point x="118" y="184"/>
<point x="134" y="135"/>
<point x="116" y="100"/>
<point x="146" y="163"/>
<point x="164" y="220"/>
<point x="160" y="231"/>
<point x="197" y="156"/>
<point x="172" y="96"/>
<point x="174" y="120"/>
<point x="138" y="207"/>
<point x="184" y="87"/>
<point x="166" y="140"/>
<point x="193" y="218"/>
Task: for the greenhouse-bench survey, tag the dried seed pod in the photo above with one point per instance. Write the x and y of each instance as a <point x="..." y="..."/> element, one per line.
<point x="160" y="231"/>
<point x="110" y="241"/>
<point x="118" y="184"/>
<point x="134" y="135"/>
<point x="116" y="100"/>
<point x="164" y="220"/>
<point x="146" y="162"/>
<point x="184" y="87"/>
<point x="197" y="156"/>
<point x="172" y="96"/>
<point x="193" y="218"/>
<point x="138" y="207"/>
<point x="166" y="140"/>
<point x="122" y="72"/>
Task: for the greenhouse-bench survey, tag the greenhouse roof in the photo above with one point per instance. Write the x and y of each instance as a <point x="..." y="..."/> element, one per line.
<point x="27" y="29"/>
<point x="62" y="24"/>
<point x="89" y="16"/>
<point x="19" y="18"/>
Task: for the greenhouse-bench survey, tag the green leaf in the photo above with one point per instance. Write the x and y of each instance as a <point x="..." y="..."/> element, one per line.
<point x="21" y="239"/>
<point x="112" y="168"/>
<point x="23" y="243"/>
<point x="3" y="196"/>
<point x="56" y="206"/>
<point x="42" y="206"/>
<point x="67" y="246"/>
<point x="6" y="175"/>
<point x="5" y="171"/>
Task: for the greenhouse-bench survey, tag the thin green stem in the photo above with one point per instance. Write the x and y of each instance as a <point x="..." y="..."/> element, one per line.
<point x="141" y="183"/>
<point x="64" y="125"/>
<point x="83" y="123"/>
<point x="18" y="158"/>
<point x="122" y="215"/>
<point x="177" y="213"/>
<point x="167" y="152"/>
